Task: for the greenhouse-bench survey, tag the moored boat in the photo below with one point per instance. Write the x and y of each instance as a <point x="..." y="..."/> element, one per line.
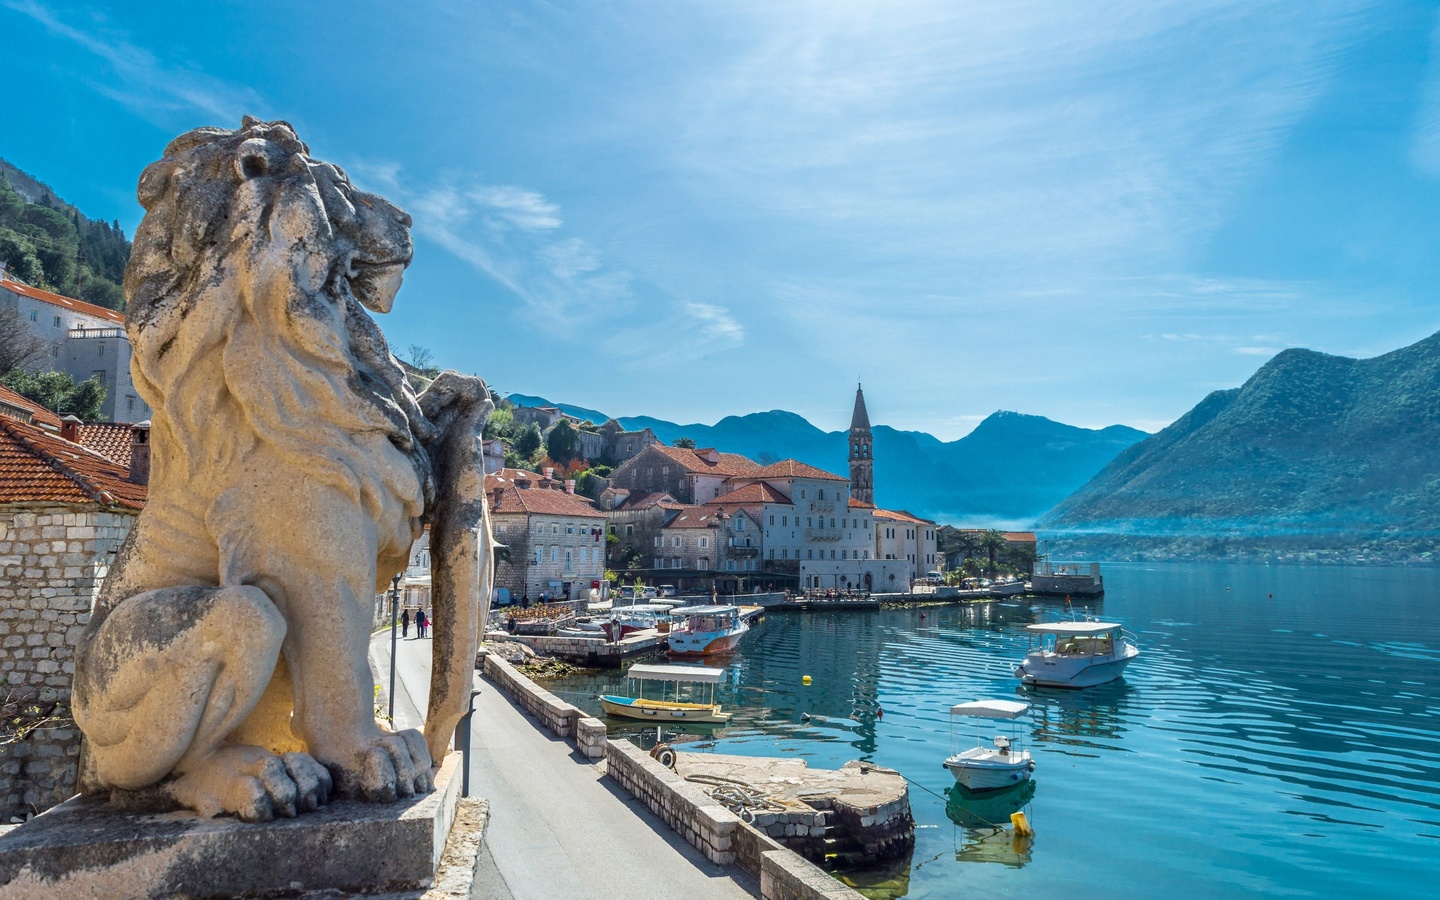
<point x="628" y="619"/>
<point x="665" y="708"/>
<point x="1075" y="654"/>
<point x="1001" y="765"/>
<point x="706" y="630"/>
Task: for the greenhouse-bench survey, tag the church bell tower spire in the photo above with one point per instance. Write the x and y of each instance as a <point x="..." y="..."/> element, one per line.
<point x="862" y="460"/>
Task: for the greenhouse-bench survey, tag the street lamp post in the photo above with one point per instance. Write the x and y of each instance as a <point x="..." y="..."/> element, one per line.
<point x="394" y="623"/>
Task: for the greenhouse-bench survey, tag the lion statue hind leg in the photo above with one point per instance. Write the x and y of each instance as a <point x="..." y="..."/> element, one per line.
<point x="165" y="680"/>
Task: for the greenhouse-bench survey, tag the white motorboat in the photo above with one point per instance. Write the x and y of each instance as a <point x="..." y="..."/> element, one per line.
<point x="707" y="630"/>
<point x="1000" y="765"/>
<point x="1075" y="654"/>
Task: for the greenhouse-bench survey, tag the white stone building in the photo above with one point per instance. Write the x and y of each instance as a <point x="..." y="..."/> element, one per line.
<point x="555" y="540"/>
<point x="900" y="535"/>
<point x="84" y="340"/>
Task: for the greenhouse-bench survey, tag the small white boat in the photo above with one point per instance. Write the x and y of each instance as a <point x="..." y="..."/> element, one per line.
<point x="707" y="630"/>
<point x="1002" y="765"/>
<point x="1075" y="654"/>
<point x="668" y="708"/>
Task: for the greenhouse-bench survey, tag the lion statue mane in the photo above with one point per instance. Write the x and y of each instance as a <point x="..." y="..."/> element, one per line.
<point x="225" y="667"/>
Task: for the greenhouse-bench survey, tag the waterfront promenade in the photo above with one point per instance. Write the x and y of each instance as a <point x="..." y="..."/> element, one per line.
<point x="557" y="827"/>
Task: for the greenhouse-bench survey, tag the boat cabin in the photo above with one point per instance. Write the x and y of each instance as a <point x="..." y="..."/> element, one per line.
<point x="1075" y="638"/>
<point x="707" y="618"/>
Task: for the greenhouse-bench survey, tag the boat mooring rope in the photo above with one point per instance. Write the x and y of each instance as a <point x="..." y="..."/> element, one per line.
<point x="946" y="801"/>
<point x="741" y="798"/>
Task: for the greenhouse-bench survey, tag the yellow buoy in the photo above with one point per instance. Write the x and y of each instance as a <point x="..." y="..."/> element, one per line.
<point x="1022" y="827"/>
<point x="805" y="679"/>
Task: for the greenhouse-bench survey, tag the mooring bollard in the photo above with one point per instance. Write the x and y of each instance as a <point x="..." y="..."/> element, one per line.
<point x="462" y="743"/>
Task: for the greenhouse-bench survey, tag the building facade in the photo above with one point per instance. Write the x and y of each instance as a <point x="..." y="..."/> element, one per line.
<point x="85" y="341"/>
<point x="691" y="476"/>
<point x="555" y="541"/>
<point x="902" y="536"/>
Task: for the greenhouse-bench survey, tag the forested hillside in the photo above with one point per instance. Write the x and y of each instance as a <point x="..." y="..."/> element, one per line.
<point x="1314" y="451"/>
<point x="50" y="244"/>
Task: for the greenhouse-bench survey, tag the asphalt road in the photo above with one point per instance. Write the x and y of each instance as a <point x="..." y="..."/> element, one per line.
<point x="558" y="829"/>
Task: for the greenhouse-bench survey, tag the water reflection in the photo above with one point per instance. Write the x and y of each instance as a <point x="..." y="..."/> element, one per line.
<point x="986" y="810"/>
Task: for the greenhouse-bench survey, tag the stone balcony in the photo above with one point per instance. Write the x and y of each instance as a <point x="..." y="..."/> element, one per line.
<point x="822" y="506"/>
<point x="743" y="552"/>
<point x="824" y="534"/>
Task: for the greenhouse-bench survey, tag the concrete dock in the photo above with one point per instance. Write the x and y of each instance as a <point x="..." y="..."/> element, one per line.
<point x="557" y="828"/>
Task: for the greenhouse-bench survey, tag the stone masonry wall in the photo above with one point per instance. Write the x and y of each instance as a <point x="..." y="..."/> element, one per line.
<point x="52" y="561"/>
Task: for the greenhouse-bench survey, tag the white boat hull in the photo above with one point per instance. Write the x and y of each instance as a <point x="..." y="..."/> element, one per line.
<point x="1050" y="670"/>
<point x="987" y="770"/>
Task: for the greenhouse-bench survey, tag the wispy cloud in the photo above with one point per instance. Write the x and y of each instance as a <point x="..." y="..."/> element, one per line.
<point x="1257" y="351"/>
<point x="152" y="87"/>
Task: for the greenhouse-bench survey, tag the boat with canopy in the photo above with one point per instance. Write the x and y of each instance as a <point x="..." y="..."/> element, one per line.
<point x="1075" y="654"/>
<point x="682" y="696"/>
<point x="1000" y="765"/>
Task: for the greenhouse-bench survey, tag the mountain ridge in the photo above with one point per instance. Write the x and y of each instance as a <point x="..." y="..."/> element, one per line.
<point x="1312" y="446"/>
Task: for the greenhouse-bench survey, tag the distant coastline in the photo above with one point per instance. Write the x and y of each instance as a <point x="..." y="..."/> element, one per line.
<point x="1303" y="549"/>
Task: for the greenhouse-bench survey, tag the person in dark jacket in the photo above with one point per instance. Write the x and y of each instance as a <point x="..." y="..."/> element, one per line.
<point x="405" y="623"/>
<point x="423" y="623"/>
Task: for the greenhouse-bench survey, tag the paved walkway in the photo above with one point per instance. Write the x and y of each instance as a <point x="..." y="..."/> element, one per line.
<point x="557" y="828"/>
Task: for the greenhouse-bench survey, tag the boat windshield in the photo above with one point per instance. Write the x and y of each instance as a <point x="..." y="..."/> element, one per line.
<point x="1101" y="644"/>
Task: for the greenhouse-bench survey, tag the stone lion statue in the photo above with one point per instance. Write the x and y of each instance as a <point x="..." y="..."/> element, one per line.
<point x="225" y="667"/>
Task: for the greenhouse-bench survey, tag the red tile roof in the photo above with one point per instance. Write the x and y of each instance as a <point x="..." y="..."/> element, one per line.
<point x="542" y="502"/>
<point x="1014" y="537"/>
<point x="111" y="440"/>
<point x="39" y="467"/>
<point x="900" y="515"/>
<point x="708" y="461"/>
<point x="79" y="306"/>
<point x="697" y="517"/>
<point x="39" y="415"/>
<point x="860" y="504"/>
<point x="793" y="468"/>
<point x="751" y="494"/>
<point x="646" y="499"/>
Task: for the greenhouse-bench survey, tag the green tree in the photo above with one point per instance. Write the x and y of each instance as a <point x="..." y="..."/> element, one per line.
<point x="563" y="443"/>
<point x="500" y="424"/>
<point x="527" y="442"/>
<point x="993" y="542"/>
<point x="59" y="392"/>
<point x="18" y="253"/>
<point x="683" y="442"/>
<point x="103" y="293"/>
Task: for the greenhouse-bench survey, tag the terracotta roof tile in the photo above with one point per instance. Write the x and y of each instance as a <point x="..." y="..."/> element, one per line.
<point x="751" y="495"/>
<point x="37" y="467"/>
<point x="1015" y="537"/>
<point x="111" y="440"/>
<point x="696" y="517"/>
<point x="542" y="502"/>
<point x="860" y="504"/>
<point x="39" y="415"/>
<point x="793" y="468"/>
<point x="646" y="499"/>
<point x="79" y="306"/>
<point x="709" y="461"/>
<point x="900" y="515"/>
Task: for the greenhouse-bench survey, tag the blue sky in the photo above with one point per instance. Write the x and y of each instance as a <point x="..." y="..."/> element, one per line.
<point x="1097" y="212"/>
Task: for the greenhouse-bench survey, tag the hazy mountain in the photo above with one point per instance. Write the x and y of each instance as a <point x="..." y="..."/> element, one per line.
<point x="1008" y="470"/>
<point x="1313" y="446"/>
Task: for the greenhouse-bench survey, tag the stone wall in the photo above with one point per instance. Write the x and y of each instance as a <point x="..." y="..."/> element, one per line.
<point x="556" y="715"/>
<point x="52" y="561"/>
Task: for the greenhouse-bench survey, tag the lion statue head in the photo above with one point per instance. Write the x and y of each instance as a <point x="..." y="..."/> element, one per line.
<point x="283" y="256"/>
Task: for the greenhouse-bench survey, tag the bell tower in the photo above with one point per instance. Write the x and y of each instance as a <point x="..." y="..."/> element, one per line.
<point x="862" y="460"/>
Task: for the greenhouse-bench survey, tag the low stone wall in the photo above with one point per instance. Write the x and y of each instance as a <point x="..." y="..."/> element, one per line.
<point x="718" y="833"/>
<point x="707" y="825"/>
<point x="52" y="561"/>
<point x="591" y="737"/>
<point x="555" y="714"/>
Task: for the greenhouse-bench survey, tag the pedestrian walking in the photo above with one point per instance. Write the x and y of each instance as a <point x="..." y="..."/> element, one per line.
<point x="405" y="624"/>
<point x="422" y="623"/>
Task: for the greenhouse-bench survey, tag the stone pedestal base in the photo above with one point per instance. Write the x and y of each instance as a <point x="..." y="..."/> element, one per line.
<point x="86" y="848"/>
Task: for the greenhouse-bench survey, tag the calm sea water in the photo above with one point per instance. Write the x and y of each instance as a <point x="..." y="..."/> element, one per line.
<point x="1280" y="733"/>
